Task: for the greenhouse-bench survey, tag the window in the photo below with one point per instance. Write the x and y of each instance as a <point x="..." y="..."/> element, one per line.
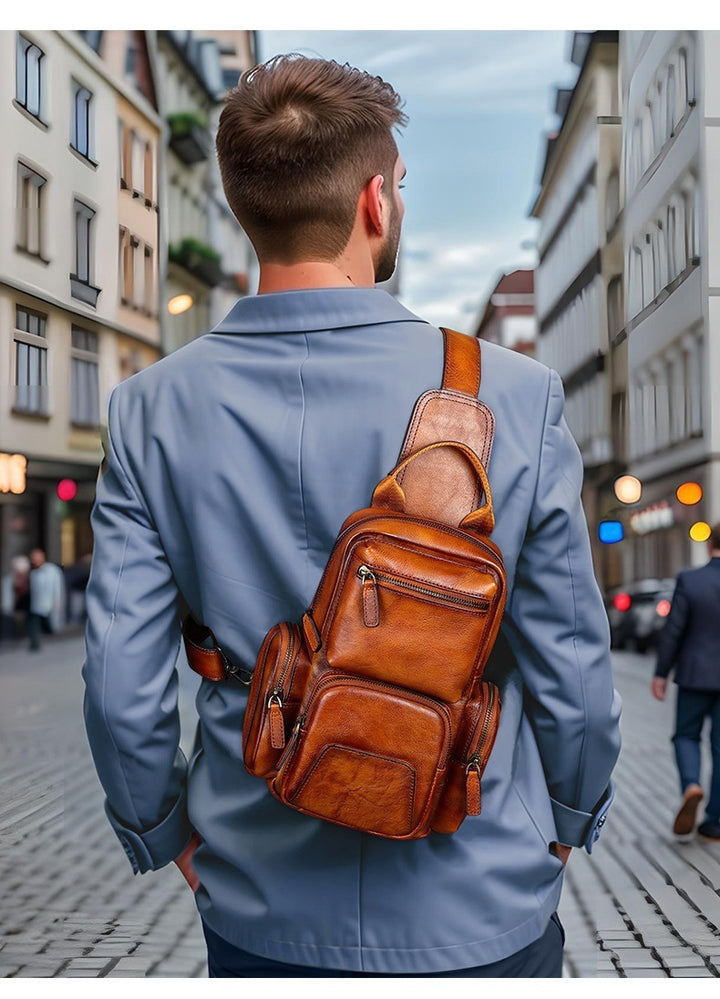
<point x="81" y="285"/>
<point x="660" y="258"/>
<point x="612" y="200"/>
<point x="30" y="186"/>
<point x="149" y="302"/>
<point x="93" y="39"/>
<point x="127" y="268"/>
<point x="83" y="224"/>
<point x="31" y="381"/>
<point x="85" y="398"/>
<point x="671" y="116"/>
<point x="126" y="136"/>
<point x="149" y="173"/>
<point x="614" y="306"/>
<point x="80" y="137"/>
<point x="138" y="165"/>
<point x="28" y="76"/>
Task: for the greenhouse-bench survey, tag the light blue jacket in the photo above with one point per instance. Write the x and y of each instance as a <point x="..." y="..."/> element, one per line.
<point x="231" y="466"/>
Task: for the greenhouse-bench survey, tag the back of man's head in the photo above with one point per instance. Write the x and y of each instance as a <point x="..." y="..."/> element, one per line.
<point x="298" y="140"/>
<point x="714" y="539"/>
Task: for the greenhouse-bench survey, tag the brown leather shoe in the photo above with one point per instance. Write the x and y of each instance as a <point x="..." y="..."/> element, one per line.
<point x="685" y="818"/>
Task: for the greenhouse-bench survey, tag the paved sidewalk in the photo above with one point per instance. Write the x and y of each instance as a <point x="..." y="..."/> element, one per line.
<point x="642" y="905"/>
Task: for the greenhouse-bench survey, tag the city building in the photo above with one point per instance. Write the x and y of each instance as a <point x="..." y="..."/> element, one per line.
<point x="79" y="274"/>
<point x="671" y="329"/>
<point x="209" y="256"/>
<point x="579" y="272"/>
<point x="508" y="317"/>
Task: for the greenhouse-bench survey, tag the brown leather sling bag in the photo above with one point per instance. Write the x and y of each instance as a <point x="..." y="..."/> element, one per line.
<point x="372" y="712"/>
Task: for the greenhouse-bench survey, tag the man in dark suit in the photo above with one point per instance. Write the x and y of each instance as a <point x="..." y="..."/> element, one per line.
<point x="690" y="645"/>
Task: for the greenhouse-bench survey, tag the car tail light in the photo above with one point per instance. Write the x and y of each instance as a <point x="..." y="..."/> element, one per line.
<point x="622" y="602"/>
<point x="662" y="608"/>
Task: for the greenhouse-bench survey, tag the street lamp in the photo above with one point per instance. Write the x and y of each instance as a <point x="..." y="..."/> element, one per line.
<point x="179" y="304"/>
<point x="628" y="489"/>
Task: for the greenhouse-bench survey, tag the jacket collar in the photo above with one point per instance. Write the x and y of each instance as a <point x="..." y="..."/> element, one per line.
<point x="313" y="309"/>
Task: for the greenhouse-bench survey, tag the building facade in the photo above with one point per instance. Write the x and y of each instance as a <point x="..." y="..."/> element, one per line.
<point x="73" y="321"/>
<point x="579" y="274"/>
<point x="209" y="256"/>
<point x="671" y="235"/>
<point x="508" y="317"/>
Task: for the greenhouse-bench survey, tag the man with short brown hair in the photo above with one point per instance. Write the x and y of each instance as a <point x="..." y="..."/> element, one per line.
<point x="231" y="465"/>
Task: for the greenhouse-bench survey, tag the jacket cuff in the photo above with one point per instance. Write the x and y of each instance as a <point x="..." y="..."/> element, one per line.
<point x="156" y="847"/>
<point x="575" y="828"/>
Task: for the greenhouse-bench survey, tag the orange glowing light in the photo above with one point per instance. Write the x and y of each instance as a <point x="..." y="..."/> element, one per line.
<point x="689" y="493"/>
<point x="663" y="608"/>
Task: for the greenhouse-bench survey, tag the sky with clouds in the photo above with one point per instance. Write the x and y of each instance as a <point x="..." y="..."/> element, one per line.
<point x="479" y="105"/>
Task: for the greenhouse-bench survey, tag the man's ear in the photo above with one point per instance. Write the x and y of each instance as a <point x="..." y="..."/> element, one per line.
<point x="374" y="204"/>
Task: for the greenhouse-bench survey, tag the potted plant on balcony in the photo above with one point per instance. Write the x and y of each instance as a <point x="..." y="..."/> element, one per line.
<point x="198" y="258"/>
<point x="189" y="136"/>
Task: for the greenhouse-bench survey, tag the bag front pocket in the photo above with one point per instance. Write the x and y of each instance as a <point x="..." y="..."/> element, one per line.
<point x="411" y="617"/>
<point x="367" y="755"/>
<point x="276" y="690"/>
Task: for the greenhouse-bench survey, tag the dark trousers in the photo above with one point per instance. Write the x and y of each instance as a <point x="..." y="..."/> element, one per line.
<point x="692" y="708"/>
<point x="541" y="959"/>
<point x="36" y="624"/>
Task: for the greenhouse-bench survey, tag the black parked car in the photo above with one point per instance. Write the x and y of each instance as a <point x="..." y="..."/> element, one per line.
<point x="637" y="613"/>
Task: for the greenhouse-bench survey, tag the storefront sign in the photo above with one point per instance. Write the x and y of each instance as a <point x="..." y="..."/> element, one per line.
<point x="652" y="518"/>
<point x="13" y="477"/>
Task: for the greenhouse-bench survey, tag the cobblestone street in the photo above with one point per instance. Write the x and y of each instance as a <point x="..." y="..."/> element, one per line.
<point x="642" y="905"/>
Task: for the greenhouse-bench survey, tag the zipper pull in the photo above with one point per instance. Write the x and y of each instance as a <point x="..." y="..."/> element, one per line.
<point x="472" y="786"/>
<point x="370" y="603"/>
<point x="277" y="724"/>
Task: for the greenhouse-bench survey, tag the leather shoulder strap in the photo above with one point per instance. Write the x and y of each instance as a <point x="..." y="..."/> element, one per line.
<point x="442" y="486"/>
<point x="462" y="371"/>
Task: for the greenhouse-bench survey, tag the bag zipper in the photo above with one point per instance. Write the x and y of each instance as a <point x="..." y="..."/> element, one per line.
<point x="344" y="679"/>
<point x="371" y="607"/>
<point x="340" y="540"/>
<point x="275" y="700"/>
<point x="300" y="721"/>
<point x="476" y="764"/>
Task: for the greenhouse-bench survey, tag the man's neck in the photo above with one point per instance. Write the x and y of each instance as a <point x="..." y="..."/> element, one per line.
<point x="312" y="274"/>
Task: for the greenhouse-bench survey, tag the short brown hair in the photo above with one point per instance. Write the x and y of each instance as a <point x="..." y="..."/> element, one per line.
<point x="298" y="140"/>
<point x="715" y="537"/>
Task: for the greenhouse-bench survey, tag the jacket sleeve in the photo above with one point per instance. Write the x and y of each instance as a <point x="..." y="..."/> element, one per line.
<point x="559" y="631"/>
<point x="132" y="643"/>
<point x="671" y="636"/>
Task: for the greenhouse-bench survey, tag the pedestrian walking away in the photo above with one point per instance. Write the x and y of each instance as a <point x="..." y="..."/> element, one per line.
<point x="47" y="595"/>
<point x="230" y="466"/>
<point x="689" y="648"/>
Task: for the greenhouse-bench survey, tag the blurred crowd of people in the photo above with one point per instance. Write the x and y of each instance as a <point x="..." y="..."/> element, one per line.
<point x="38" y="597"/>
